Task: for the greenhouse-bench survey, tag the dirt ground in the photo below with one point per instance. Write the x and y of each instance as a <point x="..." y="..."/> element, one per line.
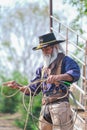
<point x="7" y="121"/>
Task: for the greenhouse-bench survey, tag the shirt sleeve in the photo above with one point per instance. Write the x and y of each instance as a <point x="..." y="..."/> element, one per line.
<point x="35" y="85"/>
<point x="71" y="68"/>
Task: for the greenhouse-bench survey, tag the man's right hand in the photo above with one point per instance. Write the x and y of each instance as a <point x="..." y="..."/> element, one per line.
<point x="12" y="84"/>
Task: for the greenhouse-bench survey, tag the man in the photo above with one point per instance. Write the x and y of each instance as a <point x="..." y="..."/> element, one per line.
<point x="57" y="69"/>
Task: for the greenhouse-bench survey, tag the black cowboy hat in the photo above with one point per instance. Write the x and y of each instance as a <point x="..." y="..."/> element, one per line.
<point x="47" y="40"/>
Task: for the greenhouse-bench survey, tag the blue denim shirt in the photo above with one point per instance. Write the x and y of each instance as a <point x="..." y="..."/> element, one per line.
<point x="69" y="66"/>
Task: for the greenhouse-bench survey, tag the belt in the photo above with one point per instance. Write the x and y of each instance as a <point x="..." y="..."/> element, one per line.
<point x="55" y="98"/>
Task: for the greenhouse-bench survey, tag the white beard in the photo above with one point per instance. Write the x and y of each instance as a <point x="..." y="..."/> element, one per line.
<point x="48" y="59"/>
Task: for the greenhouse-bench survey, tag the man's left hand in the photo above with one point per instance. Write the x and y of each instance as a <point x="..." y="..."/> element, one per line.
<point x="53" y="78"/>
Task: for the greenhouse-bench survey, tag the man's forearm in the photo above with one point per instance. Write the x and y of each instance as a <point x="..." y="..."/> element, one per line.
<point x="65" y="77"/>
<point x="56" y="78"/>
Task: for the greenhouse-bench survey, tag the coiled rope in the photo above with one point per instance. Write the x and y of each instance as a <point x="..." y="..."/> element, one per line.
<point x="31" y="99"/>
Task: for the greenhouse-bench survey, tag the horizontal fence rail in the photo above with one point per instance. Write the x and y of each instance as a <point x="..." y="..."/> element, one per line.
<point x="79" y="45"/>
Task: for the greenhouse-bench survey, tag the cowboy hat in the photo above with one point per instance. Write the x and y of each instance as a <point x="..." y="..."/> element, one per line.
<point x="47" y="40"/>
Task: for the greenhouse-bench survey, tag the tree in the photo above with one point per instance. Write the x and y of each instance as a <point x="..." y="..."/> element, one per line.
<point x="20" y="28"/>
<point x="80" y="20"/>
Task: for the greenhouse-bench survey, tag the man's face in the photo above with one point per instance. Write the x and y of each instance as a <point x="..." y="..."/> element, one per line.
<point x="47" y="50"/>
<point x="49" y="55"/>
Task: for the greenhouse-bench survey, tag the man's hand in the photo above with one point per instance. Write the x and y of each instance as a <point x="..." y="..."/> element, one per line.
<point x="56" y="78"/>
<point x="53" y="78"/>
<point x="12" y="84"/>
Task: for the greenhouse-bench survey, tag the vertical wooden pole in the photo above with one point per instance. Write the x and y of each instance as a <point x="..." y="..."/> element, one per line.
<point x="85" y="87"/>
<point x="51" y="13"/>
<point x="67" y="41"/>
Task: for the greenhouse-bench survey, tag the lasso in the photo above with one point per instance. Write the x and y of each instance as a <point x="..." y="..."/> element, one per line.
<point x="31" y="99"/>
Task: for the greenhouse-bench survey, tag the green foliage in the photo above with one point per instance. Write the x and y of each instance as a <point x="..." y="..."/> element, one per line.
<point x="33" y="113"/>
<point x="6" y="43"/>
<point x="19" y="78"/>
<point x="15" y="103"/>
<point x="11" y="104"/>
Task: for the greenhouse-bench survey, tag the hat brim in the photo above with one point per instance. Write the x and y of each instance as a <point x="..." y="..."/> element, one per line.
<point x="46" y="45"/>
